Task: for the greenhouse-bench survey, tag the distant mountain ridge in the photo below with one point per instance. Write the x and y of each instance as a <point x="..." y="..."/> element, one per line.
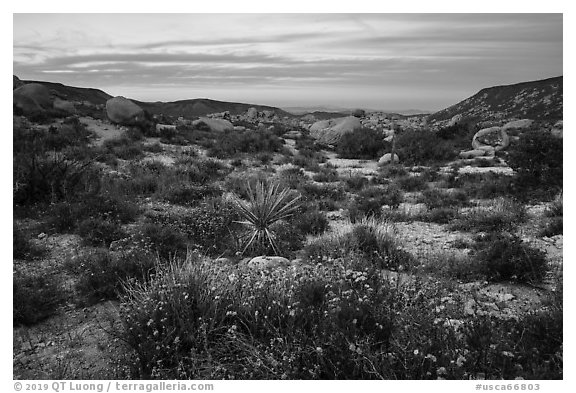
<point x="204" y="106"/>
<point x="186" y="108"/>
<point x="537" y="100"/>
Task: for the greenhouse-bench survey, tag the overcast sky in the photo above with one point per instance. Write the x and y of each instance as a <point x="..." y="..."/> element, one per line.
<point x="380" y="61"/>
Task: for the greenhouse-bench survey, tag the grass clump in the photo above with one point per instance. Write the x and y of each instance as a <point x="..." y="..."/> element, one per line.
<point x="36" y="296"/>
<point x="501" y="214"/>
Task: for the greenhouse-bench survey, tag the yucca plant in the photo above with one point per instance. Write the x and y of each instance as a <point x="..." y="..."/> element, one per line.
<point x="267" y="204"/>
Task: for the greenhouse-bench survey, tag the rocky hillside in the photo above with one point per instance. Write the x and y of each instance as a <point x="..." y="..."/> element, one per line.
<point x="202" y="107"/>
<point x="538" y="100"/>
<point x="69" y="93"/>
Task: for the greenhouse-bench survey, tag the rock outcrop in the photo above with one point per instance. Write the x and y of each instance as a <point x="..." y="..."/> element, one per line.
<point x="487" y="142"/>
<point x="387" y="159"/>
<point x="215" y="125"/>
<point x="122" y="111"/>
<point x="331" y="131"/>
<point x="265" y="262"/>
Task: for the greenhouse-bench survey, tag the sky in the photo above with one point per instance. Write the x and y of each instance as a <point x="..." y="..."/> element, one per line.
<point x="373" y="61"/>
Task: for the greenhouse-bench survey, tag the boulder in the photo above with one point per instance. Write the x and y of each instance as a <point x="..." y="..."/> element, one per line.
<point x="293" y="135"/>
<point x="121" y="110"/>
<point x="456" y="119"/>
<point x="32" y="97"/>
<point x="518" y="124"/>
<point x="359" y="113"/>
<point x="472" y="154"/>
<point x="252" y="114"/>
<point x="503" y="142"/>
<point x="265" y="262"/>
<point x="331" y="131"/>
<point x="387" y="158"/>
<point x="167" y="127"/>
<point x="215" y="125"/>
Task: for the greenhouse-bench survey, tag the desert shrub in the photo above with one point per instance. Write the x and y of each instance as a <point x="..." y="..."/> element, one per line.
<point x="364" y="143"/>
<point x="436" y="198"/>
<point x="292" y="177"/>
<point x="210" y="226"/>
<point x="310" y="163"/>
<point x="310" y="221"/>
<point x="411" y="183"/>
<point x="99" y="232"/>
<point x="326" y="175"/>
<point x="187" y="194"/>
<point x="369" y="201"/>
<point x="485" y="185"/>
<point x="556" y="208"/>
<point x="36" y="296"/>
<point x="501" y="214"/>
<point x="22" y="247"/>
<point x="508" y="258"/>
<point x="450" y="265"/>
<point x="238" y="182"/>
<point x="311" y="191"/>
<point x="392" y="171"/>
<point x="355" y="182"/>
<point x="340" y="320"/>
<point x="153" y="148"/>
<point x="230" y="143"/>
<point x="441" y="215"/>
<point x="424" y="147"/>
<point x="537" y="159"/>
<point x="164" y="240"/>
<point x="47" y="116"/>
<point x="370" y="238"/>
<point x="102" y="274"/>
<point x="65" y="216"/>
<point x="124" y="148"/>
<point x="554" y="226"/>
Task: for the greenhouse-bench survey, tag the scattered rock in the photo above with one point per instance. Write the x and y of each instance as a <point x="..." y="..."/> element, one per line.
<point x="387" y="158"/>
<point x="266" y="262"/>
<point x="42" y="236"/>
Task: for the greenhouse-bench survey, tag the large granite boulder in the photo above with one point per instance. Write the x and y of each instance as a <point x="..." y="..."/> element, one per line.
<point x="265" y="262"/>
<point x="387" y="159"/>
<point x="518" y="124"/>
<point x="331" y="131"/>
<point x="122" y="111"/>
<point x="215" y="125"/>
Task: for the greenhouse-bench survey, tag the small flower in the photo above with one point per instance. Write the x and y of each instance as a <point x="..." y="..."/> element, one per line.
<point x="416" y="352"/>
<point x="441" y="371"/>
<point x="460" y="361"/>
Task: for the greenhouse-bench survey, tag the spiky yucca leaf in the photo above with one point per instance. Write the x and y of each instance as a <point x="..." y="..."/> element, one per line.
<point x="267" y="205"/>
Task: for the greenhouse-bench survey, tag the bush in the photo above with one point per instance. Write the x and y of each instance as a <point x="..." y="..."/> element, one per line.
<point x="554" y="226"/>
<point x="537" y="159"/>
<point x="424" y="147"/>
<point x="36" y="296"/>
<point x="326" y="175"/>
<point x="412" y="183"/>
<point x="189" y="194"/>
<point x="22" y="247"/>
<point x="485" y="185"/>
<point x="441" y="215"/>
<point x="124" y="148"/>
<point x="230" y="143"/>
<point x="364" y="143"/>
<point x="355" y="182"/>
<point x="502" y="214"/>
<point x="165" y="241"/>
<point x="98" y="232"/>
<point x="435" y="198"/>
<point x="102" y="275"/>
<point x="370" y="201"/>
<point x="310" y="221"/>
<point x="508" y="258"/>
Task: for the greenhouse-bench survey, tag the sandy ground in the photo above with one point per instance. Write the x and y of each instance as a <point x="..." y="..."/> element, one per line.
<point x="102" y="129"/>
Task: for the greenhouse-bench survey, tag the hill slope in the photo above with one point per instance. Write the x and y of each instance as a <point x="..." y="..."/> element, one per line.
<point x="203" y="106"/>
<point x="185" y="108"/>
<point x="538" y="100"/>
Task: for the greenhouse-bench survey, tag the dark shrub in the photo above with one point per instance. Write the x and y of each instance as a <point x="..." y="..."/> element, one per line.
<point x="441" y="215"/>
<point x="502" y="214"/>
<point x="412" y="183"/>
<point x="36" y="296"/>
<point x="508" y="258"/>
<point x="99" y="232"/>
<point x="370" y="201"/>
<point x="189" y="194"/>
<point x="537" y="159"/>
<point x="424" y="147"/>
<point x="23" y="248"/>
<point x="554" y="226"/>
<point x="364" y="143"/>
<point x="311" y="191"/>
<point x="310" y="221"/>
<point x="124" y="148"/>
<point x="164" y="240"/>
<point x="230" y="143"/>
<point x="326" y="175"/>
<point x="355" y="182"/>
<point x="103" y="274"/>
<point x="436" y="198"/>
